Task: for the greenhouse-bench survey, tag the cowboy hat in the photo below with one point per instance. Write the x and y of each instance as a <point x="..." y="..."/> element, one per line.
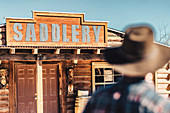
<point x="138" y="55"/>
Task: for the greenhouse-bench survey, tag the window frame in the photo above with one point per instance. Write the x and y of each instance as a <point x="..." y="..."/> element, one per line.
<point x="103" y="65"/>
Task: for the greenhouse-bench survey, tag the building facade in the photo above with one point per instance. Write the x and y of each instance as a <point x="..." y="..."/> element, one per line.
<point x="53" y="62"/>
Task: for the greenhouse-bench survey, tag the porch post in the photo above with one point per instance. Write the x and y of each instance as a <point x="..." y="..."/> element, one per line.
<point x="39" y="78"/>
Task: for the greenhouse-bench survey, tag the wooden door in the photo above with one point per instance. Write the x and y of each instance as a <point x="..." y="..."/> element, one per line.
<point x="50" y="88"/>
<point x="26" y="88"/>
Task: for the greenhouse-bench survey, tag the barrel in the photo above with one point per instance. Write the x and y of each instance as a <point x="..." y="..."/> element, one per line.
<point x="80" y="103"/>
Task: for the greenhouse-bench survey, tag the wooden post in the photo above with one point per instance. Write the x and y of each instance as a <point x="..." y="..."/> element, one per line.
<point x="97" y="51"/>
<point x="57" y="51"/>
<point x="12" y="50"/>
<point x="12" y="91"/>
<point x="77" y="51"/>
<point x="34" y="51"/>
<point x="39" y="78"/>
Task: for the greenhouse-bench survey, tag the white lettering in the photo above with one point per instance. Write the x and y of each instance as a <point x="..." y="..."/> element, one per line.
<point x="30" y="28"/>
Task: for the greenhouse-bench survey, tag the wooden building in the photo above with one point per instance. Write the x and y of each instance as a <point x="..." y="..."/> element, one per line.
<point x="53" y="62"/>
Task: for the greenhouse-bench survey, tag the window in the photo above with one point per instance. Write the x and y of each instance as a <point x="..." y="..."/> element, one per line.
<point x="104" y="75"/>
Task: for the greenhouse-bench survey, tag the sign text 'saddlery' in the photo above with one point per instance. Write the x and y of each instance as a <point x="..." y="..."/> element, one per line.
<point x="55" y="33"/>
<point x="56" y="29"/>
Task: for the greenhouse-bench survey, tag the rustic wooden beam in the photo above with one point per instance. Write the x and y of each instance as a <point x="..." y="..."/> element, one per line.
<point x="21" y="57"/>
<point x="12" y="92"/>
<point x="73" y="57"/>
<point x="77" y="51"/>
<point x="64" y="88"/>
<point x="34" y="51"/>
<point x="97" y="51"/>
<point x="57" y="51"/>
<point x="16" y="57"/>
<point x="39" y="78"/>
<point x="12" y="51"/>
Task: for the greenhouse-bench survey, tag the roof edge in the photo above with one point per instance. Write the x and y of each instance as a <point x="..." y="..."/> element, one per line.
<point x="114" y="30"/>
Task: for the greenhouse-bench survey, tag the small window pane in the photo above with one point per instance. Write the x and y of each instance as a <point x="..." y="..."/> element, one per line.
<point x="98" y="71"/>
<point x="108" y="71"/>
<point x="99" y="79"/>
<point x="108" y="78"/>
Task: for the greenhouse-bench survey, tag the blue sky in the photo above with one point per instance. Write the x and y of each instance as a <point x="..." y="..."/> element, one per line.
<point x="119" y="13"/>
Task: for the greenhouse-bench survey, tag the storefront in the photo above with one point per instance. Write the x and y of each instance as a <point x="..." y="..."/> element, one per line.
<point x="53" y="61"/>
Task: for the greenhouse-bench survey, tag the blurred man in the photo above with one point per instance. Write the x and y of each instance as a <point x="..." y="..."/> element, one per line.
<point x="135" y="58"/>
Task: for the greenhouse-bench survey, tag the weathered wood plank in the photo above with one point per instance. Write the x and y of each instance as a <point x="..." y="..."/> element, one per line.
<point x="70" y="100"/>
<point x="82" y="73"/>
<point x="16" y="57"/>
<point x="84" y="62"/>
<point x="70" y="111"/>
<point x="70" y="106"/>
<point x="83" y="83"/>
<point x="73" y="57"/>
<point x="162" y="86"/>
<point x="4" y="91"/>
<point x="163" y="81"/>
<point x="162" y="76"/>
<point x="162" y="71"/>
<point x="4" y="104"/>
<point x="4" y="97"/>
<point x="83" y="88"/>
<point x="82" y="67"/>
<point x="4" y="110"/>
<point x="82" y="78"/>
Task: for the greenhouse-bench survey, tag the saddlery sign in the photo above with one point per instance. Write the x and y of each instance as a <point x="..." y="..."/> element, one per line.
<point x="55" y="29"/>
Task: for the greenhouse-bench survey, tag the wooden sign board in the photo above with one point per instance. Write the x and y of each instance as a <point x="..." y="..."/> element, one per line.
<point x="56" y="29"/>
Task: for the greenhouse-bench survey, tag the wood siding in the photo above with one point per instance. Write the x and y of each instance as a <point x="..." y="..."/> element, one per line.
<point x="162" y="81"/>
<point x="4" y="91"/>
<point x="4" y="101"/>
<point x="82" y="81"/>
